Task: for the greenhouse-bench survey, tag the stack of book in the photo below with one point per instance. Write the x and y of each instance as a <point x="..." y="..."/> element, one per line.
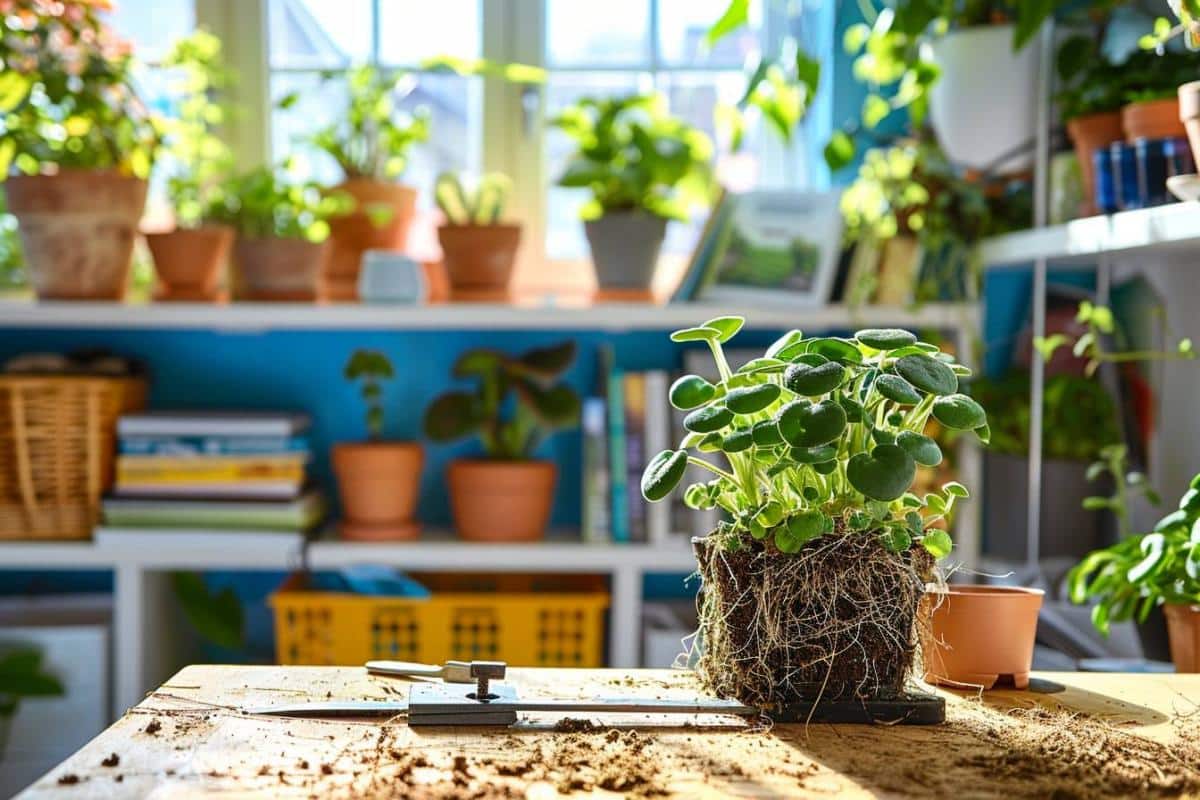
<point x="214" y="470"/>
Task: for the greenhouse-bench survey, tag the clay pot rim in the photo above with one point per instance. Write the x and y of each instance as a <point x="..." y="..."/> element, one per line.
<point x="63" y="172"/>
<point x="207" y="227"/>
<point x="986" y="591"/>
<point x="381" y="444"/>
<point x="476" y="461"/>
<point x="474" y="226"/>
<point x="1192" y="607"/>
<point x="1140" y="104"/>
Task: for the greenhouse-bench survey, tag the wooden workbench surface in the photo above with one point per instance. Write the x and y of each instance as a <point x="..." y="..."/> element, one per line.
<point x="1125" y="735"/>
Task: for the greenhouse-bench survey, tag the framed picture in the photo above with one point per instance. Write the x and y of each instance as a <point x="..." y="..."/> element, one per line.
<point x="776" y="247"/>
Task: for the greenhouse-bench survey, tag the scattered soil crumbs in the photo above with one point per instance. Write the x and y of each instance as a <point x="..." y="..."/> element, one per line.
<point x="152" y="727"/>
<point x="573" y="725"/>
<point x="70" y="779"/>
<point x="112" y="761"/>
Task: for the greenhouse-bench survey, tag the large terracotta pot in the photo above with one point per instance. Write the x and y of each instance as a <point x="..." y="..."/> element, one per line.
<point x="1183" y="628"/>
<point x="273" y="268"/>
<point x="1090" y="133"/>
<point x="77" y="229"/>
<point x="625" y="247"/>
<point x="355" y="233"/>
<point x="189" y="261"/>
<point x="978" y="633"/>
<point x="378" y="483"/>
<point x="1153" y="119"/>
<point x="1189" y="115"/>
<point x="479" y="258"/>
<point x="501" y="501"/>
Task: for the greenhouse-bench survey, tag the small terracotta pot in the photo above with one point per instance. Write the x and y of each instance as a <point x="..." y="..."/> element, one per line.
<point x="1090" y="133"/>
<point x="189" y="261"/>
<point x="1153" y="119"/>
<point x="479" y="257"/>
<point x="379" y="483"/>
<point x="274" y="268"/>
<point x="352" y="235"/>
<point x="978" y="633"/>
<point x="77" y="229"/>
<point x="1189" y="115"/>
<point x="1183" y="627"/>
<point x="501" y="501"/>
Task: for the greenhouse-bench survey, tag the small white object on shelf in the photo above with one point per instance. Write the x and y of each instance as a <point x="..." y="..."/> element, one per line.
<point x="1185" y="187"/>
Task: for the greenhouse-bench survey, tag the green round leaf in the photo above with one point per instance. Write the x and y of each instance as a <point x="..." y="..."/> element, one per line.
<point x="885" y="338"/>
<point x="854" y="409"/>
<point x="770" y="514"/>
<point x="882" y="436"/>
<point x="813" y="455"/>
<point x="698" y="334"/>
<point x="806" y="525"/>
<point x="804" y="424"/>
<point x="751" y="399"/>
<point x="959" y="411"/>
<point x="923" y="449"/>
<point x="928" y="374"/>
<point x="762" y="366"/>
<point x="836" y="350"/>
<point x="786" y="543"/>
<point x="691" y="391"/>
<point x="737" y="441"/>
<point x="711" y="443"/>
<point x="663" y="473"/>
<point x="896" y="540"/>
<point x="824" y="468"/>
<point x="727" y="326"/>
<point x="885" y="473"/>
<point x="708" y="419"/>
<point x="898" y="390"/>
<point x="789" y="341"/>
<point x="766" y="433"/>
<point x="809" y="381"/>
<point x="937" y="542"/>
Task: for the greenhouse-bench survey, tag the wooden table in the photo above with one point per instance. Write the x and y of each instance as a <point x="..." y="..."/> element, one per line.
<point x="1105" y="735"/>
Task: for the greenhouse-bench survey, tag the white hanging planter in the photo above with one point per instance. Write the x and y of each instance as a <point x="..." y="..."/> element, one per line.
<point x="984" y="105"/>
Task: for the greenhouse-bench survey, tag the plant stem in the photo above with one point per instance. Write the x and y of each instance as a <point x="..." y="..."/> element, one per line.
<point x="700" y="462"/>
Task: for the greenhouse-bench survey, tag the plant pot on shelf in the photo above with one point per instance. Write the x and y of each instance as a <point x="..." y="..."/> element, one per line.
<point x="767" y="618"/>
<point x="1153" y="119"/>
<point x="353" y="234"/>
<point x="189" y="262"/>
<point x="378" y="483"/>
<point x="1189" y="115"/>
<point x="77" y="229"/>
<point x="976" y="634"/>
<point x="980" y="107"/>
<point x="625" y="247"/>
<point x="479" y="259"/>
<point x="899" y="269"/>
<point x="275" y="268"/>
<point x="1089" y="133"/>
<point x="501" y="501"/>
<point x="1183" y="627"/>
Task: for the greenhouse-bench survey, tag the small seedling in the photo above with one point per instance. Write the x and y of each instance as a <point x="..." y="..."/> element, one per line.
<point x="370" y="368"/>
<point x="483" y="206"/>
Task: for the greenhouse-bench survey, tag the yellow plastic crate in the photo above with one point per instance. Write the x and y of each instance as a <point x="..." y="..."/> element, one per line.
<point x="539" y="630"/>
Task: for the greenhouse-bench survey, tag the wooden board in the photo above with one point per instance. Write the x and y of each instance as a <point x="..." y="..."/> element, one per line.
<point x="189" y="738"/>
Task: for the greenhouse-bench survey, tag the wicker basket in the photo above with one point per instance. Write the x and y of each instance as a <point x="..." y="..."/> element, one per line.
<point x="57" y="436"/>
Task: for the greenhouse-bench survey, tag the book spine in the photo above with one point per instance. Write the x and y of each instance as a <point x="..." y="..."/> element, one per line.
<point x="182" y="446"/>
<point x="658" y="438"/>
<point x="634" y="400"/>
<point x="136" y="469"/>
<point x="619" y="514"/>
<point x="595" y="517"/>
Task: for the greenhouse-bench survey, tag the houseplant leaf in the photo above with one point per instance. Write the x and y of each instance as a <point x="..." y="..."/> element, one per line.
<point x="663" y="473"/>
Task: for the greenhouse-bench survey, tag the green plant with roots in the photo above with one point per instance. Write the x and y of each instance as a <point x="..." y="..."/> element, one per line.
<point x="23" y="675"/>
<point x="1138" y="573"/>
<point x="370" y="368"/>
<point x="517" y="401"/>
<point x="482" y="205"/>
<point x="820" y="436"/>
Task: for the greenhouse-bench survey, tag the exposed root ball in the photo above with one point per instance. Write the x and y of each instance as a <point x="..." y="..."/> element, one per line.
<point x="834" y="620"/>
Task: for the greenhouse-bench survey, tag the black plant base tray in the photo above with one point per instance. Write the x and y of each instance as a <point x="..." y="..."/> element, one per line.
<point x="915" y="708"/>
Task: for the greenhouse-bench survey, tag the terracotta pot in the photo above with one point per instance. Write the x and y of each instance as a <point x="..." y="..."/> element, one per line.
<point x="378" y="483"/>
<point x="501" y="501"/>
<point x="1189" y="115"/>
<point x="274" y="268"/>
<point x="978" y="633"/>
<point x="1090" y="133"/>
<point x="1183" y="628"/>
<point x="352" y="235"/>
<point x="189" y="261"/>
<point x="77" y="229"/>
<point x="1153" y="119"/>
<point x="479" y="257"/>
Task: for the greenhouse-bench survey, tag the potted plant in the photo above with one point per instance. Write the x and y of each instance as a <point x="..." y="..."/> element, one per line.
<point x="506" y="495"/>
<point x="1138" y="573"/>
<point x="22" y="675"/>
<point x="282" y="225"/>
<point x="82" y="144"/>
<point x="189" y="259"/>
<point x="370" y="142"/>
<point x="811" y="587"/>
<point x="1090" y="105"/>
<point x="1152" y="108"/>
<point x="378" y="481"/>
<point x="479" y="250"/>
<point x="643" y="168"/>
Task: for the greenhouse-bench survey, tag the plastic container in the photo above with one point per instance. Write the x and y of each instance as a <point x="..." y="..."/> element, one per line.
<point x="563" y="629"/>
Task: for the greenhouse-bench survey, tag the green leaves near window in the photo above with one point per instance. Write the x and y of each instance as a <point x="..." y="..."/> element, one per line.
<point x="270" y="202"/>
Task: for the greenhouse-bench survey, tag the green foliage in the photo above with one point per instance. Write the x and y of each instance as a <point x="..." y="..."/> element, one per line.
<point x="370" y="368"/>
<point x="67" y="100"/>
<point x="1091" y="83"/>
<point x="516" y="402"/>
<point x="269" y="202"/>
<point x="22" y="675"/>
<point x="526" y="74"/>
<point x="1151" y="75"/>
<point x="371" y="138"/>
<point x="12" y="258"/>
<point x="216" y="616"/>
<point x="198" y="159"/>
<point x="483" y="206"/>
<point x="1092" y="346"/>
<point x="1079" y="416"/>
<point x="631" y="154"/>
<point x="811" y="443"/>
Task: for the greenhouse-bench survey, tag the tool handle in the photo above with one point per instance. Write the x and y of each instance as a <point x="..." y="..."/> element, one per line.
<point x="404" y="669"/>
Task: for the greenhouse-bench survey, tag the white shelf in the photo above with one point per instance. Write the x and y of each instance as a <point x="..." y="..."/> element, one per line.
<point x="53" y="555"/>
<point x="257" y="317"/>
<point x="1174" y="226"/>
